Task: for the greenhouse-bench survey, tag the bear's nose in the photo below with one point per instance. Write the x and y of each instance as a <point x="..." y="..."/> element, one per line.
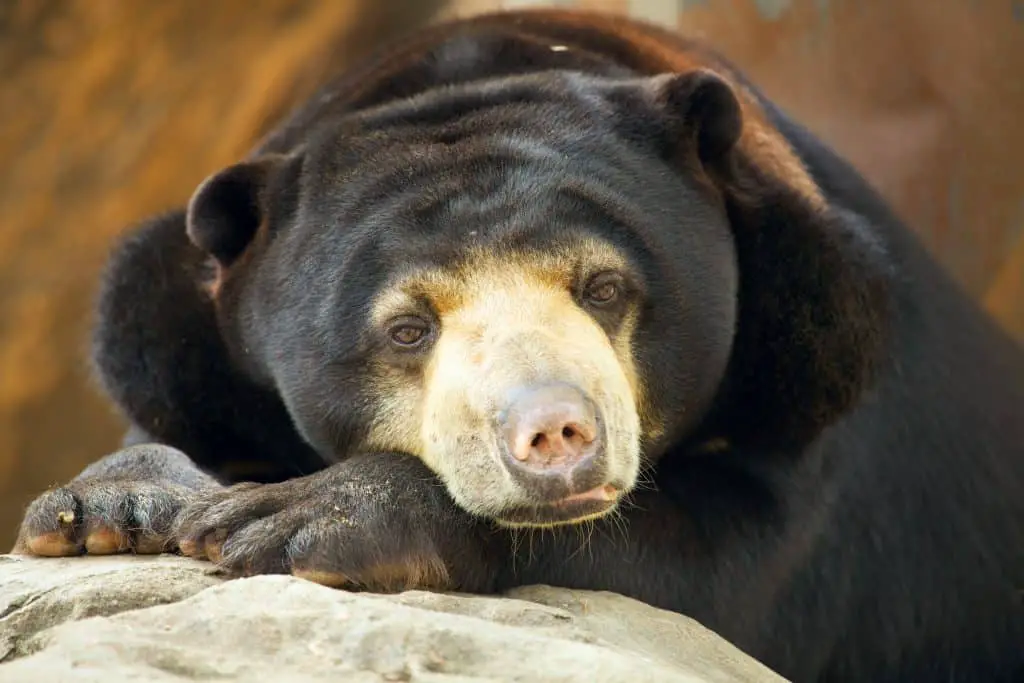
<point x="552" y="427"/>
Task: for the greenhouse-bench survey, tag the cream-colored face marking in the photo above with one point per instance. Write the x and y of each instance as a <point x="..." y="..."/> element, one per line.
<point x="505" y="324"/>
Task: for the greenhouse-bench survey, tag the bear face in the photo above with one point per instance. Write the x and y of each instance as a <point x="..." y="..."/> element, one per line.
<point x="499" y="299"/>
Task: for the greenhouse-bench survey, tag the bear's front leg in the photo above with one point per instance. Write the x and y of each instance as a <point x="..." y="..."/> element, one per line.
<point x="126" y="501"/>
<point x="381" y="522"/>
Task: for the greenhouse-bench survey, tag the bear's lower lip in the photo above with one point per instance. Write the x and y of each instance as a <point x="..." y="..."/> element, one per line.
<point x="605" y="493"/>
<point x="579" y="507"/>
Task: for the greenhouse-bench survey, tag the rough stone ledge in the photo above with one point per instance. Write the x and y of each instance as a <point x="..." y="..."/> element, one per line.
<point x="172" y="619"/>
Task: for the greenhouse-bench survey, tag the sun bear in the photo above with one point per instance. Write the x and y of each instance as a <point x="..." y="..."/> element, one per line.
<point x="558" y="297"/>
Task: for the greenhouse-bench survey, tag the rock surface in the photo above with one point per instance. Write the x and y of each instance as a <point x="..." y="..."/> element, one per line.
<point x="172" y="619"/>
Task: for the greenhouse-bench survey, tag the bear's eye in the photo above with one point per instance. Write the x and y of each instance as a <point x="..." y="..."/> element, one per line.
<point x="408" y="333"/>
<point x="603" y="289"/>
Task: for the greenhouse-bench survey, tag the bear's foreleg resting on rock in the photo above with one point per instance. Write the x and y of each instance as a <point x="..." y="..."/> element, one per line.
<point x="381" y="521"/>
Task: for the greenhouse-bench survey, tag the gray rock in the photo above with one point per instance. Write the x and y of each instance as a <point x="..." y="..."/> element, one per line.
<point x="172" y="619"/>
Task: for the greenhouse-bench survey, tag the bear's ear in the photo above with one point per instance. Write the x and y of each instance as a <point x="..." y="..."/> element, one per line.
<point x="693" y="118"/>
<point x="227" y="209"/>
<point x="701" y="113"/>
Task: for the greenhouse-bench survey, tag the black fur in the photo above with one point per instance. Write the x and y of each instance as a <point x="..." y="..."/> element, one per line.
<point x="864" y="520"/>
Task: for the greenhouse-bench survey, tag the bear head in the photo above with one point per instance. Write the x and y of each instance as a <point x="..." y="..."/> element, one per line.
<point x="543" y="284"/>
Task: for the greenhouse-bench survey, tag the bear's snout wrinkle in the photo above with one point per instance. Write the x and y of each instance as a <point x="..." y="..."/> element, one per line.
<point x="551" y="430"/>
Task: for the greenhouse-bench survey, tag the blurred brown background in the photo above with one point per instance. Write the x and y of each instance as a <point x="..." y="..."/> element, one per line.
<point x="112" y="110"/>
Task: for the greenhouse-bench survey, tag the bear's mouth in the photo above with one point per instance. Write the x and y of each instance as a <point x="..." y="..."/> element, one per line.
<point x="579" y="507"/>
